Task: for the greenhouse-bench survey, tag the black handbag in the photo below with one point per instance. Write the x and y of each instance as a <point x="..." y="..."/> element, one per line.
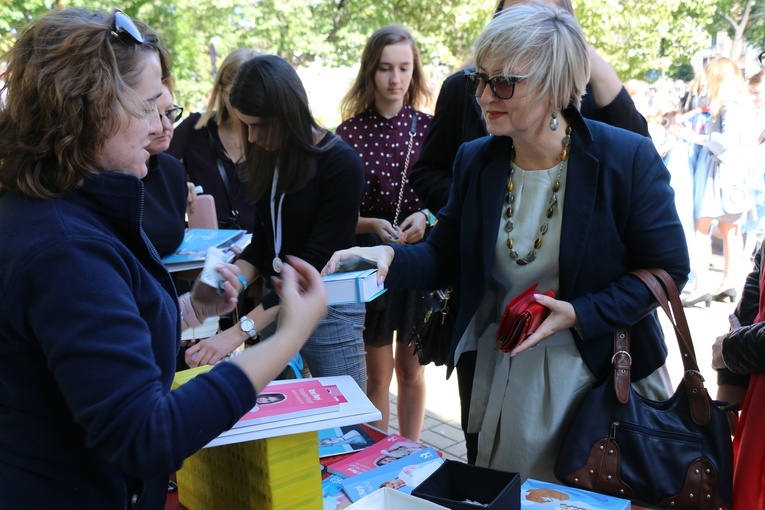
<point x="433" y="329"/>
<point x="676" y="453"/>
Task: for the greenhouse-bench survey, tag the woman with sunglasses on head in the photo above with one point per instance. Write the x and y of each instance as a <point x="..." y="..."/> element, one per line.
<point x="552" y="199"/>
<point x="382" y="124"/>
<point x="89" y="320"/>
<point x="209" y="145"/>
<point x="308" y="186"/>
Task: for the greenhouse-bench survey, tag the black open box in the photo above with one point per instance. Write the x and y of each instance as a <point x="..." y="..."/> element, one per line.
<point x="454" y="482"/>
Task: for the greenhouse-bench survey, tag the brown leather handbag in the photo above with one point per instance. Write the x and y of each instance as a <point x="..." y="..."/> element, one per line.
<point x="675" y="454"/>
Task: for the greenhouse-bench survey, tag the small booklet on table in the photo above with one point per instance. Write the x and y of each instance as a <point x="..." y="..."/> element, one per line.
<point x="306" y="397"/>
<point x="402" y="475"/>
<point x="340" y="440"/>
<point x="382" y="452"/>
<point x="539" y="495"/>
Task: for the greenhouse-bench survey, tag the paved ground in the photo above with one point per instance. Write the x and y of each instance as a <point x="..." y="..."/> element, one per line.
<point x="442" y="423"/>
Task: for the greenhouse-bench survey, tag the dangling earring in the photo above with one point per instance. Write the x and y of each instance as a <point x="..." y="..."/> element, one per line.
<point x="554" y="121"/>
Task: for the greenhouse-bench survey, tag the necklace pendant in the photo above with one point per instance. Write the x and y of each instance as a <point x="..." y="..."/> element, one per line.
<point x="277" y="264"/>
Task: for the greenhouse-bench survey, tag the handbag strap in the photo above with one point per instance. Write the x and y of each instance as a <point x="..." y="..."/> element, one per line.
<point x="223" y="175"/>
<point x="412" y="133"/>
<point x="664" y="290"/>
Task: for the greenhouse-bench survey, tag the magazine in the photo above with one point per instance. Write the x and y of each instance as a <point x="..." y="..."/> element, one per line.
<point x="402" y="475"/>
<point x="332" y="493"/>
<point x="193" y="250"/>
<point x="539" y="495"/>
<point x="382" y="452"/>
<point x="282" y="401"/>
<point x="339" y="440"/>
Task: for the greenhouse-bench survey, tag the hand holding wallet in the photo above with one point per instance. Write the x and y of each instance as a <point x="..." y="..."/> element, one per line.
<point x="521" y="318"/>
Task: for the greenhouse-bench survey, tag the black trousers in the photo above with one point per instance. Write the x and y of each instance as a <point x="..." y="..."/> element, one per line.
<point x="465" y="372"/>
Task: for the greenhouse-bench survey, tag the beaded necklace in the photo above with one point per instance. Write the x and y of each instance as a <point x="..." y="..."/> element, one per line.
<point x="510" y="199"/>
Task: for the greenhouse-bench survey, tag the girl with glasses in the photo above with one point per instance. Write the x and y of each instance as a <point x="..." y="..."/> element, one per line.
<point x="379" y="112"/>
<point x="89" y="320"/>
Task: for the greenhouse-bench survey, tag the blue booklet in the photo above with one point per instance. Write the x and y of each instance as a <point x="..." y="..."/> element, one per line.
<point x="539" y="495"/>
<point x="402" y="475"/>
<point x="340" y="440"/>
<point x="332" y="493"/>
<point x="193" y="249"/>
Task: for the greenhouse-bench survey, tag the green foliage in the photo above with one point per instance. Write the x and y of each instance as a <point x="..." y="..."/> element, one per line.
<point x="635" y="36"/>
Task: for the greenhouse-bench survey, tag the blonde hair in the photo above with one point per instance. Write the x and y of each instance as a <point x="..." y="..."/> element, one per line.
<point x="224" y="78"/>
<point x="542" y="42"/>
<point x="362" y="93"/>
<point x="725" y="81"/>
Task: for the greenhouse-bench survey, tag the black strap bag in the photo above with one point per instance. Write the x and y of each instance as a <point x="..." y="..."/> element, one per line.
<point x="675" y="454"/>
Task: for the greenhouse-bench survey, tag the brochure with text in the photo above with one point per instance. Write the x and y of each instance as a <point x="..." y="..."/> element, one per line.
<point x="339" y="440"/>
<point x="402" y="475"/>
<point x="539" y="495"/>
<point x="283" y="401"/>
<point x="382" y="452"/>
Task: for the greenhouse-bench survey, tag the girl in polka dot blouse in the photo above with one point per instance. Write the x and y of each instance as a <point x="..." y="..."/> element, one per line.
<point x="378" y="113"/>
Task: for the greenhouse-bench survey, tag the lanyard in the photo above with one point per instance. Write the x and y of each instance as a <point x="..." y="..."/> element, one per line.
<point x="276" y="223"/>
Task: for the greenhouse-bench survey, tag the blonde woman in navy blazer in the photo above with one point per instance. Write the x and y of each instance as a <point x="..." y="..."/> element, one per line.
<point x="613" y="212"/>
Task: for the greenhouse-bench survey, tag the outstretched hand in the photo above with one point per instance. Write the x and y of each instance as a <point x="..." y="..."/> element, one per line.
<point x="303" y="297"/>
<point x="208" y="302"/>
<point x="353" y="259"/>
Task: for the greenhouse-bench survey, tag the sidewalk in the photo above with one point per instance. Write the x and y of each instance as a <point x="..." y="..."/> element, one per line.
<point x="441" y="428"/>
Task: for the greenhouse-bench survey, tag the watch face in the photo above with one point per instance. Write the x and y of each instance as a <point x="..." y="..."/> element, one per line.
<point x="248" y="326"/>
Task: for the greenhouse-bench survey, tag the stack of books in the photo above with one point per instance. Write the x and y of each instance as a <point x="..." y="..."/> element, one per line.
<point x="279" y="473"/>
<point x="270" y="458"/>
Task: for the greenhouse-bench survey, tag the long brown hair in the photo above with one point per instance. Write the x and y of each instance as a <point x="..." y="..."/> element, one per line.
<point x="66" y="78"/>
<point x="362" y="93"/>
<point x="267" y="86"/>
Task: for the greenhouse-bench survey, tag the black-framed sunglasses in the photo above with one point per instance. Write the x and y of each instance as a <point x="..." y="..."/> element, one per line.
<point x="761" y="58"/>
<point x="501" y="86"/>
<point x="123" y="25"/>
<point x="174" y="114"/>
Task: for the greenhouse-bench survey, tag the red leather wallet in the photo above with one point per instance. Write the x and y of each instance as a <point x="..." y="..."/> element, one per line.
<point x="522" y="317"/>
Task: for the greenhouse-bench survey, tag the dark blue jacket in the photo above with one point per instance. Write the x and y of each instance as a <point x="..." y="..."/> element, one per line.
<point x="619" y="214"/>
<point x="89" y="330"/>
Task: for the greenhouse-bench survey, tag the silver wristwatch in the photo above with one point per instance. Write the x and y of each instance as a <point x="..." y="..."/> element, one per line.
<point x="248" y="326"/>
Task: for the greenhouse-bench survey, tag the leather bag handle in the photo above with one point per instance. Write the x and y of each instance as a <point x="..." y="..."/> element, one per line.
<point x="664" y="290"/>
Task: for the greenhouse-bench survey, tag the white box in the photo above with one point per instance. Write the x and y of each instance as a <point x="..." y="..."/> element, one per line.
<point x="389" y="499"/>
<point x="352" y="287"/>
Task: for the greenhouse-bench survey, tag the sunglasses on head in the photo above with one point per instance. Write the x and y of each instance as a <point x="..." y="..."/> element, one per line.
<point x="124" y="26"/>
<point x="503" y="87"/>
